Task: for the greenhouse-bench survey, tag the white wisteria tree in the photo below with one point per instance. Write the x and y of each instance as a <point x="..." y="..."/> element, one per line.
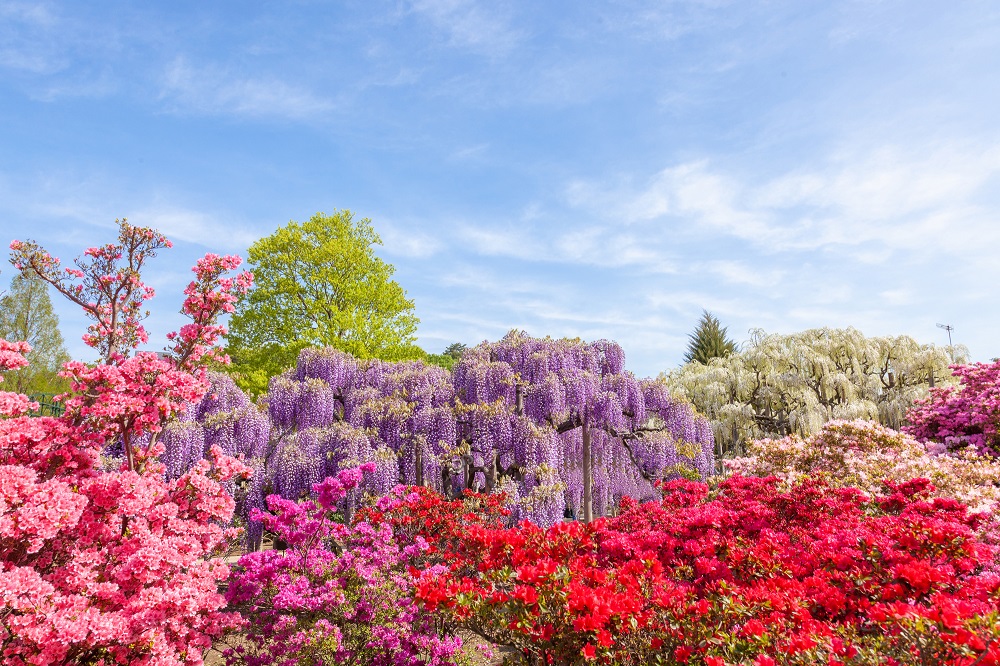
<point x="778" y="385"/>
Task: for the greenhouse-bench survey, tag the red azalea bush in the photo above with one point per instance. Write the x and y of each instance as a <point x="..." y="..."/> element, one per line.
<point x="967" y="415"/>
<point x="102" y="567"/>
<point x="443" y="524"/>
<point x="748" y="574"/>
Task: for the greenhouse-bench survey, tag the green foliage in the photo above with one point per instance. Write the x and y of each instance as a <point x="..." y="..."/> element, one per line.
<point x="449" y="357"/>
<point x="708" y="341"/>
<point x="26" y="314"/>
<point x="319" y="284"/>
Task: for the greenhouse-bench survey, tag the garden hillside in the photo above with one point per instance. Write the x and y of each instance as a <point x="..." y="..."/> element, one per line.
<point x="535" y="502"/>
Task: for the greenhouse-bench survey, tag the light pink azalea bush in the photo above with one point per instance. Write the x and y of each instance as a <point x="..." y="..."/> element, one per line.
<point x="104" y="567"/>
<point x="963" y="416"/>
<point x="862" y="454"/>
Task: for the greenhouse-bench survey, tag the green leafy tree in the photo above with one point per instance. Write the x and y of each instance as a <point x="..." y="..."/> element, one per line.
<point x="449" y="357"/>
<point x="708" y="341"/>
<point x="26" y="315"/>
<point x="319" y="284"/>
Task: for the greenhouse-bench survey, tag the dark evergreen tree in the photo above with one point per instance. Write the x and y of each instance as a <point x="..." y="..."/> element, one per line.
<point x="708" y="341"/>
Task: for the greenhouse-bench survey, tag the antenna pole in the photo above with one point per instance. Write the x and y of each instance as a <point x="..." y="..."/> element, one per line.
<point x="949" y="328"/>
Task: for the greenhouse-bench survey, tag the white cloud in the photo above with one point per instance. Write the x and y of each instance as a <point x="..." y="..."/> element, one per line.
<point x="26" y="42"/>
<point x="192" y="226"/>
<point x="927" y="198"/>
<point x="480" y="26"/>
<point x="77" y="202"/>
<point x="211" y="90"/>
<point x="495" y="242"/>
<point x="739" y="272"/>
<point x="407" y="242"/>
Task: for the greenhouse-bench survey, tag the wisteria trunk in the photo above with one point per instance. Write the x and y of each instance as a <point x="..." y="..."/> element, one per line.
<point x="588" y="476"/>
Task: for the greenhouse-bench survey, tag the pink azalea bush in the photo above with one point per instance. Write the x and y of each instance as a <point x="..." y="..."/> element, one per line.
<point x="963" y="416"/>
<point x="103" y="567"/>
<point x="338" y="594"/>
<point x="862" y="454"/>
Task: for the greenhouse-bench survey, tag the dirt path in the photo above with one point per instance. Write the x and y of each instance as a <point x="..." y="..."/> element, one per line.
<point x="470" y="641"/>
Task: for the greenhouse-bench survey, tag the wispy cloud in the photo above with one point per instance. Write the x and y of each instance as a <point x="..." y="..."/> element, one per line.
<point x="484" y="27"/>
<point x="564" y="241"/>
<point x="213" y="90"/>
<point x="193" y="226"/>
<point x="75" y="202"/>
<point x="740" y="272"/>
<point x="930" y="197"/>
<point x="407" y="241"/>
<point x="25" y="38"/>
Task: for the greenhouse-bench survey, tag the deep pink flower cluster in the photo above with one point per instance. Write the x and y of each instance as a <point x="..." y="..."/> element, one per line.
<point x="967" y="415"/>
<point x="209" y="295"/>
<point x="338" y="594"/>
<point x="96" y="566"/>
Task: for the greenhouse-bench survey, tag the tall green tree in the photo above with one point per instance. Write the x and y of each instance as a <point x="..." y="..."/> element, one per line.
<point x="708" y="341"/>
<point x="319" y="284"/>
<point x="26" y="315"/>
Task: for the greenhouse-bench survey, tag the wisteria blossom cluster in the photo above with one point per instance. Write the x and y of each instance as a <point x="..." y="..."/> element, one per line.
<point x="750" y="574"/>
<point x="566" y="423"/>
<point x="862" y="454"/>
<point x="963" y="416"/>
<point x="338" y="594"/>
<point x="111" y="566"/>
<point x="552" y="425"/>
<point x="223" y="417"/>
<point x="332" y="412"/>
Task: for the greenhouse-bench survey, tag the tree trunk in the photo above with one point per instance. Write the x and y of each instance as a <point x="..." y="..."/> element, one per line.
<point x="418" y="460"/>
<point x="492" y="474"/>
<point x="588" y="477"/>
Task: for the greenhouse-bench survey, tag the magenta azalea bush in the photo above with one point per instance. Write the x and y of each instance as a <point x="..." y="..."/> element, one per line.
<point x="338" y="594"/>
<point x="963" y="416"/>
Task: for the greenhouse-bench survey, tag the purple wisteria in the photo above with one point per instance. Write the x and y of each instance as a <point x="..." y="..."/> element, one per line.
<point x="563" y="424"/>
<point x="557" y="425"/>
<point x="226" y="418"/>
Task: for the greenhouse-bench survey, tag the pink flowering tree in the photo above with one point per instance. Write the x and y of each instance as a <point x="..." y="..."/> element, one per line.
<point x="107" y="284"/>
<point x="963" y="416"/>
<point x="97" y="566"/>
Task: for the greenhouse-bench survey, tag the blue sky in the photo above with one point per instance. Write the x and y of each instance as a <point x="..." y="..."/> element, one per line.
<point x="598" y="169"/>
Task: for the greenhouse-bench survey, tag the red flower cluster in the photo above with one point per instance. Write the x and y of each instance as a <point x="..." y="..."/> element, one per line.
<point x="743" y="575"/>
<point x="445" y="525"/>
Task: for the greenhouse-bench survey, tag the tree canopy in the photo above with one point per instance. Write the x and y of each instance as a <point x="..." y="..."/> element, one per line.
<point x="449" y="357"/>
<point x="319" y="284"/>
<point x="26" y="315"/>
<point x="708" y="341"/>
<point x="779" y="385"/>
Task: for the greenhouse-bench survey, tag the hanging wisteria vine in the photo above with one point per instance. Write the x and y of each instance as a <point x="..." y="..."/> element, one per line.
<point x="557" y="425"/>
<point x="567" y="423"/>
<point x="226" y="418"/>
